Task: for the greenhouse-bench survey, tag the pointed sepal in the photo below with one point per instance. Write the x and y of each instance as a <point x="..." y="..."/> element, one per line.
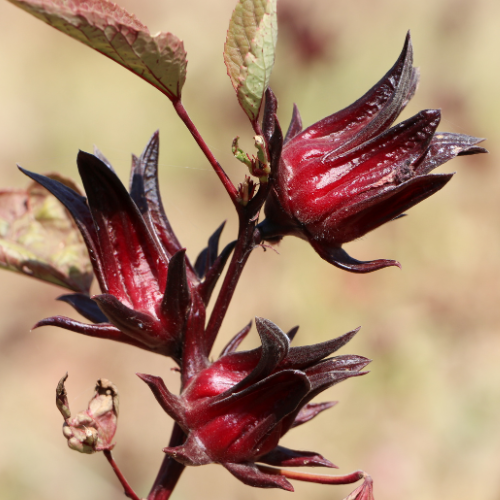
<point x="206" y="287"/>
<point x="295" y="126"/>
<point x="170" y="403"/>
<point x="375" y="111"/>
<point x="275" y="346"/>
<point x="209" y="254"/>
<point x="311" y="410"/>
<point x="302" y="357"/>
<point x="177" y="298"/>
<point x="251" y="475"/>
<point x="139" y="326"/>
<point x="85" y="306"/>
<point x="234" y="343"/>
<point x="129" y="253"/>
<point x="100" y="331"/>
<point x="145" y="191"/>
<point x="341" y="259"/>
<point x="284" y="457"/>
<point x="76" y="205"/>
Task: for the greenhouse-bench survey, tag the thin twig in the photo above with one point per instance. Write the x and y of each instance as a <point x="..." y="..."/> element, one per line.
<point x="129" y="492"/>
<point x="314" y="478"/>
<point x="183" y="115"/>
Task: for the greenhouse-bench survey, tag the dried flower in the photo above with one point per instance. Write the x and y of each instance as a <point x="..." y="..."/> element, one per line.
<point x="235" y="411"/>
<point x="350" y="173"/>
<point x="93" y="429"/>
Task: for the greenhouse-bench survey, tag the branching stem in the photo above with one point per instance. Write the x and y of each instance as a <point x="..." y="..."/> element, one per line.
<point x="248" y="239"/>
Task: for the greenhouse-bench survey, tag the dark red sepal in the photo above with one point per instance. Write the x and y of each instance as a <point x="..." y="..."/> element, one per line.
<point x="100" y="331"/>
<point x="85" y="306"/>
<point x="275" y="346"/>
<point x="98" y="153"/>
<point x="77" y="207"/>
<point x="275" y="146"/>
<point x="249" y="474"/>
<point x="145" y="191"/>
<point x="131" y="259"/>
<point x="375" y="111"/>
<point x="206" y="287"/>
<point x="194" y="354"/>
<point x="170" y="403"/>
<point x="292" y="332"/>
<point x="334" y="370"/>
<point x="138" y="325"/>
<point x="445" y="146"/>
<point x="284" y="457"/>
<point x="189" y="453"/>
<point x="207" y="256"/>
<point x="311" y="410"/>
<point x="177" y="298"/>
<point x="302" y="357"/>
<point x="234" y="343"/>
<point x="269" y="116"/>
<point x="295" y="126"/>
<point x="341" y="259"/>
<point x="384" y="161"/>
<point x="371" y="213"/>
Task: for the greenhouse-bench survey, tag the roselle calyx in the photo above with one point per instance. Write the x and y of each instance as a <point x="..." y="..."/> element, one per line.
<point x="350" y="172"/>
<point x="150" y="290"/>
<point x="235" y="410"/>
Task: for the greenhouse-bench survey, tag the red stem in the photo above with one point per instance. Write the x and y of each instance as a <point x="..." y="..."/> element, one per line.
<point x="183" y="115"/>
<point x="247" y="240"/>
<point x="170" y="470"/>
<point x="129" y="492"/>
<point x="314" y="478"/>
<point x="242" y="250"/>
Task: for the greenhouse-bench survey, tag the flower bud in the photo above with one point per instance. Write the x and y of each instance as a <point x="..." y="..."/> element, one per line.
<point x="350" y="172"/>
<point x="148" y="284"/>
<point x="235" y="411"/>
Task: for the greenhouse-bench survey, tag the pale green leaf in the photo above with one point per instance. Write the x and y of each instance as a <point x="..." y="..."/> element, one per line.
<point x="38" y="238"/>
<point x="112" y="31"/>
<point x="249" y="51"/>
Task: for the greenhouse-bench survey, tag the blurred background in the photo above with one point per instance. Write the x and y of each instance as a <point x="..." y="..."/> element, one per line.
<point x="424" y="422"/>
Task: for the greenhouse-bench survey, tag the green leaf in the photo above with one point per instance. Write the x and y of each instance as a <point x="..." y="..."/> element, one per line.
<point x="39" y="238"/>
<point x="112" y="31"/>
<point x="249" y="51"/>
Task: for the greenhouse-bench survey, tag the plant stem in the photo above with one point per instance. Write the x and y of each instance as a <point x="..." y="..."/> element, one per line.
<point x="248" y="238"/>
<point x="170" y="470"/>
<point x="183" y="115"/>
<point x="129" y="492"/>
<point x="242" y="250"/>
<point x="314" y="478"/>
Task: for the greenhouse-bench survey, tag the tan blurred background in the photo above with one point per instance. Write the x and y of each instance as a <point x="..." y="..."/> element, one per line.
<point x="425" y="421"/>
